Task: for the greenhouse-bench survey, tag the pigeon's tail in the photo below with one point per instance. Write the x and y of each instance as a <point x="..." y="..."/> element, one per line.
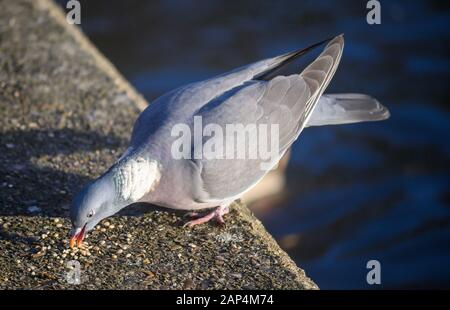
<point x="338" y="109"/>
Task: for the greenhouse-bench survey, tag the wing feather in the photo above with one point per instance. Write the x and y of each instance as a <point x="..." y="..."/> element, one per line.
<point x="286" y="101"/>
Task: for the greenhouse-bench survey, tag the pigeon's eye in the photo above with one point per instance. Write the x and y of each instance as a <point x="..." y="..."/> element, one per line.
<point x="90" y="214"/>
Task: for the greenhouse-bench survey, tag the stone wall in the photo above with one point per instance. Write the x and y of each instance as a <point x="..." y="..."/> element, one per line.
<point x="66" y="114"/>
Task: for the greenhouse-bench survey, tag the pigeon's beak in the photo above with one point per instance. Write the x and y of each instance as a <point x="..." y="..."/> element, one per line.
<point x="77" y="237"/>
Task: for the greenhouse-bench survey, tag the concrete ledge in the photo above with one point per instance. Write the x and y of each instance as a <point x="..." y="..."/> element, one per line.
<point x="66" y="116"/>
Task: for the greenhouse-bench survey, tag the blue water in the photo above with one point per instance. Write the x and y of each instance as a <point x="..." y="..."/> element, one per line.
<point x="356" y="192"/>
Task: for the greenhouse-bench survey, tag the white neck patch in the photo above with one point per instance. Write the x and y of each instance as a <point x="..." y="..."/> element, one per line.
<point x="135" y="177"/>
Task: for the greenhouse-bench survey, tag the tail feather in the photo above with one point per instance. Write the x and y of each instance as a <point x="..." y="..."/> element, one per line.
<point x="335" y="109"/>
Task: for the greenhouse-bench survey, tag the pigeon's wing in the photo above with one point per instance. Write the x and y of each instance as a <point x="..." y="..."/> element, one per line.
<point x="334" y="109"/>
<point x="201" y="93"/>
<point x="186" y="100"/>
<point x="256" y="108"/>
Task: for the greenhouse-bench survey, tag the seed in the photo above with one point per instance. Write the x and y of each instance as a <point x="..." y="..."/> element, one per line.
<point x="59" y="225"/>
<point x="56" y="220"/>
<point x="119" y="251"/>
<point x="114" y="256"/>
<point x="149" y="274"/>
<point x="36" y="255"/>
<point x="112" y="227"/>
<point x="106" y="223"/>
<point x="103" y="229"/>
<point x="128" y="255"/>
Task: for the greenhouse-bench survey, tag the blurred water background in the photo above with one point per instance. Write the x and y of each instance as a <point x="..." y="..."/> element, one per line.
<point x="355" y="192"/>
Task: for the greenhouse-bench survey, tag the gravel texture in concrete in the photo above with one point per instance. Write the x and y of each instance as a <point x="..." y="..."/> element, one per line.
<point x="66" y="115"/>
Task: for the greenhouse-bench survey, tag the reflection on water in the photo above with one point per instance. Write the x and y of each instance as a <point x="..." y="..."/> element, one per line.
<point x="355" y="192"/>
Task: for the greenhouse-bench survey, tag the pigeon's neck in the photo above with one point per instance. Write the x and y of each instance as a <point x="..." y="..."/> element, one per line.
<point x="133" y="177"/>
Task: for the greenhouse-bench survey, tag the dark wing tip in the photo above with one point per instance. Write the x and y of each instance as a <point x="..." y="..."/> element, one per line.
<point x="291" y="56"/>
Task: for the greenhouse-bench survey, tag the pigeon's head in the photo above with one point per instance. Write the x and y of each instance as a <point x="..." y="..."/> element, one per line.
<point x="123" y="184"/>
<point x="92" y="204"/>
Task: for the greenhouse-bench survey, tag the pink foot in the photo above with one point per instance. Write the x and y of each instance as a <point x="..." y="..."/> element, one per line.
<point x="217" y="215"/>
<point x="192" y="214"/>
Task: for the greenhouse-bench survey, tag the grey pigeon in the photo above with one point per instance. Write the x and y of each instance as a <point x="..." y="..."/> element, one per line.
<point x="149" y="172"/>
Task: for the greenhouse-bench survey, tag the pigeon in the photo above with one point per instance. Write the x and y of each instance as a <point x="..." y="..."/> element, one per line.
<point x="151" y="171"/>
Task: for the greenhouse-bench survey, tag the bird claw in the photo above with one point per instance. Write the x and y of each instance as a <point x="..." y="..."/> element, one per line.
<point x="217" y="215"/>
<point x="219" y="219"/>
<point x="191" y="214"/>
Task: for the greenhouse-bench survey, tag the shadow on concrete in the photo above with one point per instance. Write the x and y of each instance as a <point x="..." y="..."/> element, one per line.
<point x="37" y="168"/>
<point x="30" y="189"/>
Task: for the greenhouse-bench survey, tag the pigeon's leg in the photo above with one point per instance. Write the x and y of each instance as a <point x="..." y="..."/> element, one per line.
<point x="217" y="215"/>
<point x="192" y="214"/>
<point x="221" y="211"/>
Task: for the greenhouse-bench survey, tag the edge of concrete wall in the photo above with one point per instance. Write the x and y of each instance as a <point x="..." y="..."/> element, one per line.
<point x="103" y="63"/>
